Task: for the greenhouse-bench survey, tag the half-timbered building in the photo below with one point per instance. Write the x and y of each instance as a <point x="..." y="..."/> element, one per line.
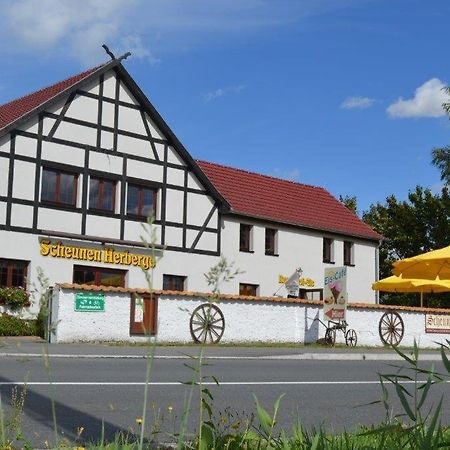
<point x="85" y="161"/>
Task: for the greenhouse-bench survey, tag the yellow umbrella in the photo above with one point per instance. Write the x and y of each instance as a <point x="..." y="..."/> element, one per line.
<point x="400" y="284"/>
<point x="434" y="265"/>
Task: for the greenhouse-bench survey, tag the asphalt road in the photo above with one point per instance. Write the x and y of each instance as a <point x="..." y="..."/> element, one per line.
<point x="93" y="392"/>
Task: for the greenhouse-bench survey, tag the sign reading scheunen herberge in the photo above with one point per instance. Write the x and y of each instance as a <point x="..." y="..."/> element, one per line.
<point x="105" y="255"/>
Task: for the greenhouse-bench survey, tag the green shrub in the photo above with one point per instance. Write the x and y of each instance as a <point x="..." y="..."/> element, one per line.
<point x="14" y="297"/>
<point x="39" y="324"/>
<point x="15" y="326"/>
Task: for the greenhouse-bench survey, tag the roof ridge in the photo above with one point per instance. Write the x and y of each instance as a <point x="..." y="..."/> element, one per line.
<point x="262" y="175"/>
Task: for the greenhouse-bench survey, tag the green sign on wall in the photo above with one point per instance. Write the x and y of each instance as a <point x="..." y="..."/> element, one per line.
<point x="89" y="302"/>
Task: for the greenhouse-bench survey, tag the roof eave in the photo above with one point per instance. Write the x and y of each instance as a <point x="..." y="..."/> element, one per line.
<point x="305" y="226"/>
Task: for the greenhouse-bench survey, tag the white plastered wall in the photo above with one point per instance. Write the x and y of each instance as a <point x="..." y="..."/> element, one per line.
<point x="296" y="248"/>
<point x="245" y="321"/>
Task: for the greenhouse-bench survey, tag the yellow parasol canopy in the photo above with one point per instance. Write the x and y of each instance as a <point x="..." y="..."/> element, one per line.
<point x="400" y="284"/>
<point x="434" y="265"/>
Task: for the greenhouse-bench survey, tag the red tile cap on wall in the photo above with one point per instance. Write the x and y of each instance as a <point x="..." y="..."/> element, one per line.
<point x="213" y="297"/>
<point x="284" y="201"/>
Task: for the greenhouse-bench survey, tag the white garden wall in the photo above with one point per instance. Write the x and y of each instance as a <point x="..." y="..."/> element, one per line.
<point x="247" y="319"/>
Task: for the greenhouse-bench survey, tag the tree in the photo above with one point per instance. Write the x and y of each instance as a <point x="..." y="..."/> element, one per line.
<point x="350" y="202"/>
<point x="441" y="160"/>
<point x="417" y="225"/>
<point x="441" y="156"/>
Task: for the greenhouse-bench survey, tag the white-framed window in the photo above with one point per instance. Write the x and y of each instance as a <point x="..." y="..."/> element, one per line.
<point x="245" y="238"/>
<point x="271" y="242"/>
<point x="328" y="250"/>
<point x="349" y="257"/>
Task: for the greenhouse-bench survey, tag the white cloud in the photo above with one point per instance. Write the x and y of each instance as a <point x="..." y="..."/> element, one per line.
<point x="72" y="28"/>
<point x="222" y="92"/>
<point x="357" y="103"/>
<point x="427" y="102"/>
<point x="149" y="28"/>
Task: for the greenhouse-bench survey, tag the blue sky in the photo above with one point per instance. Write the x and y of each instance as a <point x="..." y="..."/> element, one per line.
<point x="336" y="93"/>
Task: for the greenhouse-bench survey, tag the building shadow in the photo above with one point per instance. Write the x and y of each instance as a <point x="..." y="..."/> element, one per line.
<point x="37" y="409"/>
<point x="311" y="325"/>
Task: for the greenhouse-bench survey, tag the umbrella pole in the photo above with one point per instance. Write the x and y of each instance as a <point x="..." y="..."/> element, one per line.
<point x="421" y="299"/>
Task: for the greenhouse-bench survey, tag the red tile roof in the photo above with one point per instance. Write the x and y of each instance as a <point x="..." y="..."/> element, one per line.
<point x="247" y="192"/>
<point x="13" y="110"/>
<point x="266" y="197"/>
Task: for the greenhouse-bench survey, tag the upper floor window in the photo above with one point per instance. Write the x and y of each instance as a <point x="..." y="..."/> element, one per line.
<point x="59" y="187"/>
<point x="248" y="289"/>
<point x="141" y="201"/>
<point x="102" y="194"/>
<point x="245" y="234"/>
<point x="271" y="241"/>
<point x="13" y="273"/>
<point x="173" y="282"/>
<point x="328" y="250"/>
<point x="348" y="253"/>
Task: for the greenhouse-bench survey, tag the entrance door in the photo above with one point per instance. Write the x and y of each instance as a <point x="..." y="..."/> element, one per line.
<point x="143" y="314"/>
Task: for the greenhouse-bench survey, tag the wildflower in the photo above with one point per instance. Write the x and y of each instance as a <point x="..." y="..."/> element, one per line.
<point x="170" y="409"/>
<point x="236" y="424"/>
<point x="139" y="420"/>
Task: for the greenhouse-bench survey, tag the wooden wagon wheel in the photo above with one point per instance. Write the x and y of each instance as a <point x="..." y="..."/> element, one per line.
<point x="330" y="337"/>
<point x="351" y="338"/>
<point x="207" y="324"/>
<point x="391" y="328"/>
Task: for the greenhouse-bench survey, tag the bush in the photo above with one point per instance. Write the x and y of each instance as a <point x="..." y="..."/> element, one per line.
<point x="39" y="324"/>
<point x="14" y="297"/>
<point x="15" y="326"/>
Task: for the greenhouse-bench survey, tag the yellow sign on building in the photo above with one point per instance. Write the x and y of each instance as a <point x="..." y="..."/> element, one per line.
<point x="106" y="255"/>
